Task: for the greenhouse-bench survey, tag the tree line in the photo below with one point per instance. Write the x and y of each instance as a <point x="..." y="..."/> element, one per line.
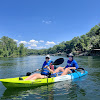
<point x="87" y="42"/>
<point x="9" y="48"/>
<point x="84" y="43"/>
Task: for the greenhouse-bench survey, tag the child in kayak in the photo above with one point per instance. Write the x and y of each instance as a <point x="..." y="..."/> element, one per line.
<point x="44" y="71"/>
<point x="71" y="65"/>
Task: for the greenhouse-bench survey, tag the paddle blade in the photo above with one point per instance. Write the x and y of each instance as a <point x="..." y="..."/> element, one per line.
<point x="58" y="61"/>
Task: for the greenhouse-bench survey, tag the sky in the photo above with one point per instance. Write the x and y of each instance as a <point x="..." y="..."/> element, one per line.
<point x="44" y="23"/>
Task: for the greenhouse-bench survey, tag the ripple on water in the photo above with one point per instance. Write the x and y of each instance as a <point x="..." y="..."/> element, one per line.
<point x="85" y="88"/>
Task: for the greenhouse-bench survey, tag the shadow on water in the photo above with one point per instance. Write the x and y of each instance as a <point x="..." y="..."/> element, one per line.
<point x="65" y="90"/>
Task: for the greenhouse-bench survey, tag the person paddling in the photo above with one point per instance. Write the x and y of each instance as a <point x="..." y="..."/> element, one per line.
<point x="71" y="65"/>
<point x="44" y="71"/>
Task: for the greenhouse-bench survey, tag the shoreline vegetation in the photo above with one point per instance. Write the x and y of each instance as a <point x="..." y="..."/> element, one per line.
<point x="85" y="45"/>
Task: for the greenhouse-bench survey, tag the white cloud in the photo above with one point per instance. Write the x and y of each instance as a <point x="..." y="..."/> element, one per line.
<point x="41" y="41"/>
<point x="50" y="43"/>
<point x="24" y="42"/>
<point x="47" y="22"/>
<point x="15" y="40"/>
<point x="33" y="45"/>
<point x="29" y="47"/>
<point x="41" y="47"/>
<point x="33" y="41"/>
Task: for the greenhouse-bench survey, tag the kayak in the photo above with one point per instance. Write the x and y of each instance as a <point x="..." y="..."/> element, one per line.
<point x="15" y="82"/>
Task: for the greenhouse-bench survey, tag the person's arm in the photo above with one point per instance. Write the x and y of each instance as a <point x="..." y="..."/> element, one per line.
<point x="72" y="67"/>
<point x="76" y="65"/>
<point x="51" y="71"/>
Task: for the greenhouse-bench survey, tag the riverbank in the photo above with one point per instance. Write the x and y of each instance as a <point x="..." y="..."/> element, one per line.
<point x="94" y="52"/>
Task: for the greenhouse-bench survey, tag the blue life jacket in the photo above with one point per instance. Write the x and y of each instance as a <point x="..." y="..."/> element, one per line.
<point x="72" y="63"/>
<point x="45" y="71"/>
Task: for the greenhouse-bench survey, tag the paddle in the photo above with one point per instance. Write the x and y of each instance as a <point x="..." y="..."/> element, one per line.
<point x="56" y="62"/>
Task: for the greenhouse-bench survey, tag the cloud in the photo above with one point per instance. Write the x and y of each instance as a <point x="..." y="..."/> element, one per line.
<point x="29" y="47"/>
<point x="41" y="47"/>
<point x="50" y="43"/>
<point x="24" y="42"/>
<point x="33" y="45"/>
<point x="47" y="22"/>
<point x="15" y="40"/>
<point x="41" y="41"/>
<point x="33" y="41"/>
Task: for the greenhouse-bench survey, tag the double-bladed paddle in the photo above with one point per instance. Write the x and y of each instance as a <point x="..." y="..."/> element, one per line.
<point x="56" y="62"/>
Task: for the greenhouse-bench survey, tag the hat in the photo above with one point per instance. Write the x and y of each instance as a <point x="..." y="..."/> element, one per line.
<point x="70" y="55"/>
<point x="48" y="56"/>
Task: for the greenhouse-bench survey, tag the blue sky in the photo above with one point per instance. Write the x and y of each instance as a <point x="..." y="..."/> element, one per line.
<point x="45" y="23"/>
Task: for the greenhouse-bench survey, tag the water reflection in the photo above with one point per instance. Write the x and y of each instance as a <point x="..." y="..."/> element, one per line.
<point x="36" y="93"/>
<point x="66" y="89"/>
<point x="82" y="89"/>
<point x="7" y="64"/>
<point x="94" y="62"/>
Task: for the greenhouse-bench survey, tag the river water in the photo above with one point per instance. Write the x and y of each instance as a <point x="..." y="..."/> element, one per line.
<point x="84" y="88"/>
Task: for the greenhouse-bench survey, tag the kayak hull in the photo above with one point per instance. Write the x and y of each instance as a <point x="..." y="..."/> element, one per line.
<point x="15" y="82"/>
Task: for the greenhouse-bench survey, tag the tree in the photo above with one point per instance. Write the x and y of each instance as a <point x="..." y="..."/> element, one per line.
<point x="21" y="49"/>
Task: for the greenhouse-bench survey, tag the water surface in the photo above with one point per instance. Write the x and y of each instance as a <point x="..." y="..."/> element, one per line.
<point x="84" y="88"/>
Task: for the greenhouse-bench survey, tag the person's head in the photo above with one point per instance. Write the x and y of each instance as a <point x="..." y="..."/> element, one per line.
<point x="70" y="56"/>
<point x="47" y="58"/>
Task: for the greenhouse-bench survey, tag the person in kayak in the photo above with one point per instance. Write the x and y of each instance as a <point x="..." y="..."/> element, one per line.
<point x="44" y="71"/>
<point x="71" y="65"/>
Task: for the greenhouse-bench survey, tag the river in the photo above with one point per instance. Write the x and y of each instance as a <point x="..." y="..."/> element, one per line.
<point x="84" y="88"/>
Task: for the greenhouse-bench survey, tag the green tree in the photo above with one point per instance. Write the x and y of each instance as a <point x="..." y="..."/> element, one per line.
<point x="21" y="49"/>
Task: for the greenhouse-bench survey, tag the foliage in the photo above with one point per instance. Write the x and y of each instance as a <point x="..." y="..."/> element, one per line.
<point x="9" y="48"/>
<point x="78" y="44"/>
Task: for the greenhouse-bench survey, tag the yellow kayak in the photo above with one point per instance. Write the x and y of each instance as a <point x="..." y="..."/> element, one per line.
<point x="15" y="82"/>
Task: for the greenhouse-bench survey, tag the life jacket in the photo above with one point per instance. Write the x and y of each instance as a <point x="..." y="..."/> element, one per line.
<point x="45" y="71"/>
